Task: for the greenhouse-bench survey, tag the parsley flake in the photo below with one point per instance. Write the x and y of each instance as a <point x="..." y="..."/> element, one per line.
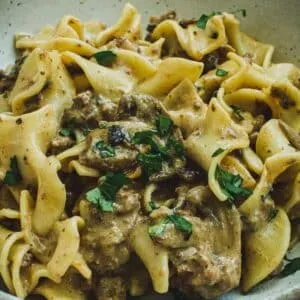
<point x="159" y="229"/>
<point x="164" y="126"/>
<point x="65" y="132"/>
<point x="217" y="152"/>
<point x="237" y="112"/>
<point x="105" y="58"/>
<point x="180" y="223"/>
<point x="221" y="72"/>
<point x="104" y="150"/>
<point x="175" y="144"/>
<point x="201" y="23"/>
<point x="272" y="214"/>
<point x="13" y="175"/>
<point x="150" y="163"/>
<point x="104" y="195"/>
<point x="231" y="185"/>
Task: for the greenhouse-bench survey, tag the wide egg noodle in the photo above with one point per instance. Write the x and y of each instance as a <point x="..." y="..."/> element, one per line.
<point x="111" y="83"/>
<point x="32" y="78"/>
<point x="11" y="240"/>
<point x="260" y="258"/>
<point x="224" y="134"/>
<point x="185" y="107"/>
<point x="67" y="246"/>
<point x="194" y="41"/>
<point x="35" y="132"/>
<point x="128" y="26"/>
<point x="244" y="45"/>
<point x="155" y="258"/>
<point x="51" y="244"/>
<point x="67" y="289"/>
<point x="67" y="36"/>
<point x="171" y="71"/>
<point x="42" y="74"/>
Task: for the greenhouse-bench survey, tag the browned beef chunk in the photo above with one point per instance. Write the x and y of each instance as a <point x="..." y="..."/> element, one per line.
<point x="124" y="156"/>
<point x="111" y="288"/>
<point x="61" y="143"/>
<point x="90" y="108"/>
<point x="215" y="58"/>
<point x="104" y="239"/>
<point x="144" y="107"/>
<point x="208" y="263"/>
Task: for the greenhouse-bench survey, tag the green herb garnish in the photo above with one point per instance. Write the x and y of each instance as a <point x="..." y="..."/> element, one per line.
<point x="104" y="150"/>
<point x="158" y="229"/>
<point x="105" y="58"/>
<point x="178" y="147"/>
<point x="143" y="137"/>
<point x="272" y="214"/>
<point x="146" y="137"/>
<point x="104" y="195"/>
<point x="65" y="132"/>
<point x="217" y="152"/>
<point x="150" y="163"/>
<point x="290" y="268"/>
<point x="96" y="197"/>
<point x="68" y="130"/>
<point x="164" y="126"/>
<point x="237" y="112"/>
<point x="231" y="185"/>
<point x="201" y="23"/>
<point x="221" y="72"/>
<point x="179" y="222"/>
<point x="13" y="176"/>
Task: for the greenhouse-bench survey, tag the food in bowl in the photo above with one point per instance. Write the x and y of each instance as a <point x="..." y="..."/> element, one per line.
<point x="131" y="164"/>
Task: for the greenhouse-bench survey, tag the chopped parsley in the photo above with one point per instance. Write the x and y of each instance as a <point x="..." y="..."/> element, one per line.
<point x="65" y="132"/>
<point x="290" y="268"/>
<point x="221" y="72"/>
<point x="272" y="214"/>
<point x="68" y="130"/>
<point x="144" y="137"/>
<point x="180" y="223"/>
<point x="231" y="185"/>
<point x="217" y="152"/>
<point x="104" y="150"/>
<point x="105" y="58"/>
<point x="178" y="147"/>
<point x="164" y="126"/>
<point x="201" y="23"/>
<point x="237" y="112"/>
<point x="13" y="175"/>
<point x="150" y="163"/>
<point x="104" y="195"/>
<point x="158" y="229"/>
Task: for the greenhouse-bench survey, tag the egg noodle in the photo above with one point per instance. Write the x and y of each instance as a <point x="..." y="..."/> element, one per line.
<point x="133" y="165"/>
